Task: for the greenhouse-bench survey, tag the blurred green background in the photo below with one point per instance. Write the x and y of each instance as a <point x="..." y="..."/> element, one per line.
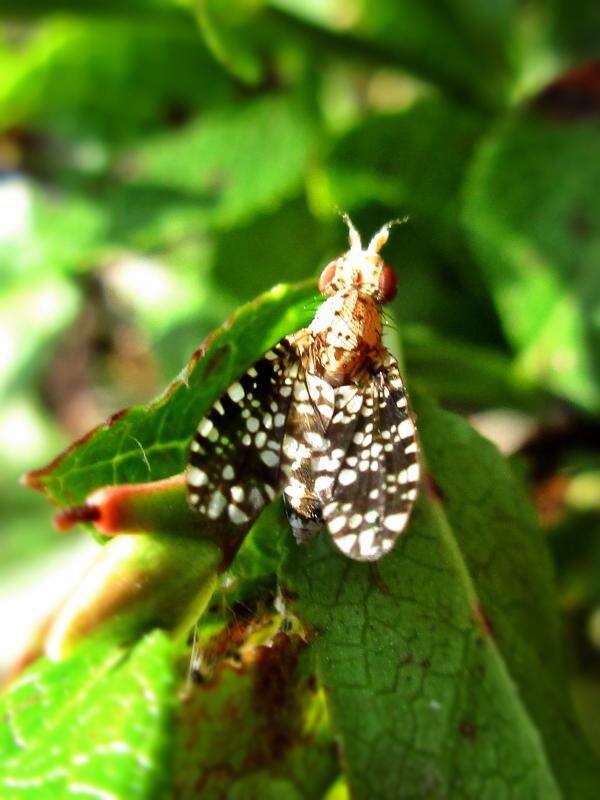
<point x="164" y="161"/>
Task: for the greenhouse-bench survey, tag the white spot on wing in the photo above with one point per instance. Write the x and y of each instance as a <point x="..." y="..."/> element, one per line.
<point x="269" y="458"/>
<point x="347" y="476"/>
<point x="237" y="494"/>
<point x="395" y="522"/>
<point x="236" y="392"/>
<point x="412" y="472"/>
<point x="405" y="428"/>
<point x="337" y="523"/>
<point x="346" y="543"/>
<point x="205" y="427"/>
<point x="216" y="505"/>
<point x="236" y="515"/>
<point x="365" y="541"/>
<point x="323" y="483"/>
<point x="196" y="477"/>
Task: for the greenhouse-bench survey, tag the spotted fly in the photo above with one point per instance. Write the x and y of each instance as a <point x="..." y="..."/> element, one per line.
<point x="322" y="418"/>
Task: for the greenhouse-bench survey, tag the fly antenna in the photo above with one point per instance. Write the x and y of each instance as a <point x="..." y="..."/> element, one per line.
<point x="353" y="234"/>
<point x="381" y="237"/>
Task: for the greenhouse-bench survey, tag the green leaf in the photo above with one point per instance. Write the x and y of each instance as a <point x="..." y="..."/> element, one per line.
<point x="462" y="45"/>
<point x="443" y="666"/>
<point x="258" y="730"/>
<point x="576" y="30"/>
<point x="220" y="170"/>
<point x="228" y="31"/>
<point x="52" y="81"/>
<point x="241" y="161"/>
<point x="98" y="724"/>
<point x="413" y="161"/>
<point x="531" y="211"/>
<point x="142" y="444"/>
<point x="150" y="11"/>
<point x="458" y="373"/>
<point x="252" y="575"/>
<point x="288" y="242"/>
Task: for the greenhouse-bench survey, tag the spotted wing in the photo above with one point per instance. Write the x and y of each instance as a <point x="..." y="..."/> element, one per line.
<point x="321" y="422"/>
<point x="234" y="459"/>
<point x="304" y="442"/>
<point x="378" y="479"/>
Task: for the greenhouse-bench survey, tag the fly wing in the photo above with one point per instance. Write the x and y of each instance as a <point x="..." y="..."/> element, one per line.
<point x="234" y="459"/>
<point x="305" y="440"/>
<point x="377" y="483"/>
<point x="321" y="422"/>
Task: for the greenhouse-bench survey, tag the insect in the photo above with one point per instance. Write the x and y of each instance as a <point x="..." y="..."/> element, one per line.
<point x="322" y="418"/>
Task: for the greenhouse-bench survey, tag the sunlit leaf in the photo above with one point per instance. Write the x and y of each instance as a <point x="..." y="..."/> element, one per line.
<point x="99" y="723"/>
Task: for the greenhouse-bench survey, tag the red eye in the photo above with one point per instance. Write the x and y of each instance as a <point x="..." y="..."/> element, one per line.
<point x="388" y="284"/>
<point x="327" y="276"/>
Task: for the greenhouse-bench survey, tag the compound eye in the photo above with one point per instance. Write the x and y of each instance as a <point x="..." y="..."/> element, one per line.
<point x="327" y="276"/>
<point x="388" y="284"/>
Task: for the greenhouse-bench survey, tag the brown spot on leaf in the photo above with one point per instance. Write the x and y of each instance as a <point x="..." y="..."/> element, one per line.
<point x="289" y="595"/>
<point x="580" y="223"/>
<point x="216" y="359"/>
<point x="468" y="730"/>
<point x="575" y="95"/>
<point x="379" y="582"/>
<point x="433" y="488"/>
<point x="275" y="692"/>
<point x="116" y="417"/>
<point x="225" y="646"/>
<point x="483" y="620"/>
<point x="550" y="499"/>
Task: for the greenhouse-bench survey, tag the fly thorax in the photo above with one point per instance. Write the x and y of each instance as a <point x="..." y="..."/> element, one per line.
<point x="334" y="324"/>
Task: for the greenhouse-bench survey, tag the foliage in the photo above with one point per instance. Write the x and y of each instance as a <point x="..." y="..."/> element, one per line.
<point x="100" y="751"/>
<point x="165" y="162"/>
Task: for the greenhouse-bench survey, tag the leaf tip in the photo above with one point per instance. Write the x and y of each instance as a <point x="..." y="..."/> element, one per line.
<point x="66" y="518"/>
<point x="31" y="480"/>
